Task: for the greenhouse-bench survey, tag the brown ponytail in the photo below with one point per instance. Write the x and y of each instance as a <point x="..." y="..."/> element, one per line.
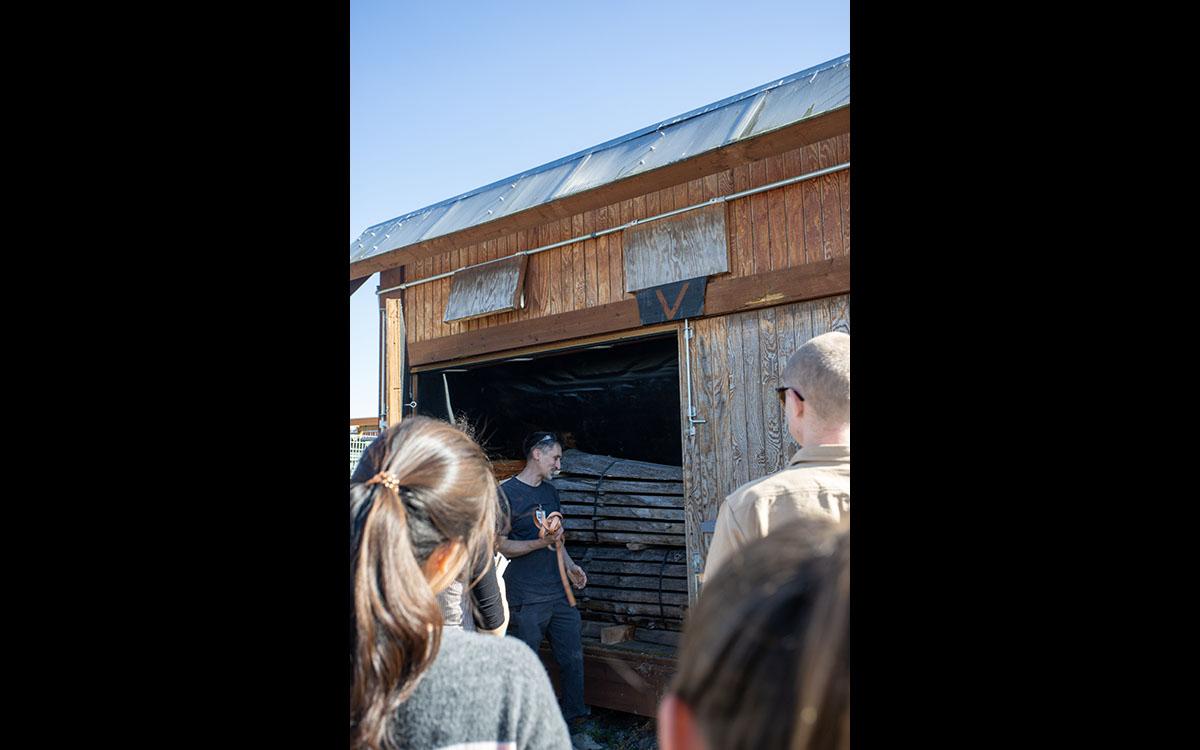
<point x="436" y="487"/>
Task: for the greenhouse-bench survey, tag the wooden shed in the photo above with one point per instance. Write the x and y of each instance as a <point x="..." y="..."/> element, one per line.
<point x="640" y="297"/>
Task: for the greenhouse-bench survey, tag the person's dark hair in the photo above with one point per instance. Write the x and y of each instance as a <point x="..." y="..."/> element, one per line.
<point x="434" y="485"/>
<point x="765" y="656"/>
<point x="542" y="440"/>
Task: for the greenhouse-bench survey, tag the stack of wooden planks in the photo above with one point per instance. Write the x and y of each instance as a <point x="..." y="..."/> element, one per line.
<point x="624" y="522"/>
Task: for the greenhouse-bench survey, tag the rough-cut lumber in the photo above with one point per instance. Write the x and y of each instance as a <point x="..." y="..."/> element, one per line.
<point x="616" y="633"/>
<point x="624" y="537"/>
<point x="620" y="553"/>
<point x="631" y="595"/>
<point x="654" y="622"/>
<point x="667" y="611"/>
<point x="663" y="637"/>
<point x="623" y="567"/>
<point x="589" y="523"/>
<point x="616" y="485"/>
<point x="636" y="582"/>
<point x="598" y="510"/>
<point x="576" y="462"/>
<point x="504" y="469"/>
<point x="620" y="499"/>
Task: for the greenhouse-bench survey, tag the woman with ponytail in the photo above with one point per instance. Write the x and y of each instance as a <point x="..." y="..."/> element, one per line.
<point x="428" y="513"/>
<point x="475" y="601"/>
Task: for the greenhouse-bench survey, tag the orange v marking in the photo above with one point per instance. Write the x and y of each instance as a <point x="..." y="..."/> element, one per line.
<point x="670" y="311"/>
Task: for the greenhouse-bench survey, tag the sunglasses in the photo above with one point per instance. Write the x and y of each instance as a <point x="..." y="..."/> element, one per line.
<point x="782" y="393"/>
<point x="547" y="437"/>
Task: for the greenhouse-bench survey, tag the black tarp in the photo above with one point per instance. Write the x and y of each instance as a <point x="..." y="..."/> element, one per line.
<point x="621" y="401"/>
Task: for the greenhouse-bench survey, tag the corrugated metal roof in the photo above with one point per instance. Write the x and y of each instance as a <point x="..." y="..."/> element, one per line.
<point x="797" y="97"/>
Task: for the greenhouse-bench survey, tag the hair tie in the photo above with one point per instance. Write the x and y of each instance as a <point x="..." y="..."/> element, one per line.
<point x="387" y="480"/>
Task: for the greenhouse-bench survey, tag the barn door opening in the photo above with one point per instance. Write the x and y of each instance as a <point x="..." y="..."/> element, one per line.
<point x="619" y="399"/>
<point x="616" y="405"/>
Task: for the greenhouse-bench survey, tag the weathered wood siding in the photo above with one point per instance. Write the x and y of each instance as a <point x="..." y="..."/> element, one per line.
<point x="781" y="228"/>
<point x="736" y="361"/>
<point x="686" y="246"/>
<point x="486" y="290"/>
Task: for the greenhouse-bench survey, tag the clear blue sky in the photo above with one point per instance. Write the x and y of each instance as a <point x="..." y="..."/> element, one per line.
<point x="448" y="97"/>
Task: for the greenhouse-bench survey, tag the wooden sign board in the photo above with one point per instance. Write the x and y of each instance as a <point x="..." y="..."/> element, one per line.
<point x="492" y="288"/>
<point x="682" y="299"/>
<point x="680" y="247"/>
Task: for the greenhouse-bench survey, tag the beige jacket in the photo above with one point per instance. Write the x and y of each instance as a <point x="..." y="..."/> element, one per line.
<point x="815" y="482"/>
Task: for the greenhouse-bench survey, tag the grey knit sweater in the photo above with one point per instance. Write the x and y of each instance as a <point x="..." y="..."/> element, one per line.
<point x="486" y="690"/>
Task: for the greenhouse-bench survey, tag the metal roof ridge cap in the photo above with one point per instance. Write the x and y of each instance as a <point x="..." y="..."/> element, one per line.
<point x="783" y="81"/>
<point x="627" y="137"/>
<point x="838" y="108"/>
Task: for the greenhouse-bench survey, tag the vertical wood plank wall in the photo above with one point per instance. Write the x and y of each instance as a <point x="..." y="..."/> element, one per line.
<point x="736" y="361"/>
<point x="781" y="228"/>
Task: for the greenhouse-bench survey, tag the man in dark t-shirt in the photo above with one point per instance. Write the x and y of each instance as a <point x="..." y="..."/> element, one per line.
<point x="537" y="602"/>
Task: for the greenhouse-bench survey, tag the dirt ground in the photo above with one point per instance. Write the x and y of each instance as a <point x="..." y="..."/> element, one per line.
<point x="615" y="730"/>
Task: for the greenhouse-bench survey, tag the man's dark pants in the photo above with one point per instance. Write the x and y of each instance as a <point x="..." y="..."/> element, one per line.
<point x="562" y="622"/>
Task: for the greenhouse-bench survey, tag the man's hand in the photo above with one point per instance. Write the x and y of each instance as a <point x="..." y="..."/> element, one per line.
<point x="553" y="539"/>
<point x="577" y="576"/>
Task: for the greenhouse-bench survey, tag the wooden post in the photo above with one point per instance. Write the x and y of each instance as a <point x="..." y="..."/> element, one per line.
<point x="394" y="395"/>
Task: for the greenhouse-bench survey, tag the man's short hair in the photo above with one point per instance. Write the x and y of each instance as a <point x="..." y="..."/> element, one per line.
<point x="820" y="371"/>
<point x="540" y="440"/>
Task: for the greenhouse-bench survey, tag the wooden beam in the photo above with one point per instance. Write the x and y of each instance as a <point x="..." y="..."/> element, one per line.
<point x="623" y="681"/>
<point x="395" y="360"/>
<point x="718" y="160"/>
<point x="586" y="484"/>
<point x="616" y="634"/>
<point x="606" y="499"/>
<point x="615" y="316"/>
<point x="575" y="461"/>
<point x="824" y="278"/>
<point x="607" y="338"/>
<point x="810" y="281"/>
<point x="619" y="553"/>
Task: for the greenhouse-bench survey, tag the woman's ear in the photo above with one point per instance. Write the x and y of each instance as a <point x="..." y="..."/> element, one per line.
<point x="677" y="729"/>
<point x="444" y="564"/>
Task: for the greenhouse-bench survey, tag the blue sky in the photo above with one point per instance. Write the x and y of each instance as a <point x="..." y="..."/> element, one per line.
<point x="448" y="97"/>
